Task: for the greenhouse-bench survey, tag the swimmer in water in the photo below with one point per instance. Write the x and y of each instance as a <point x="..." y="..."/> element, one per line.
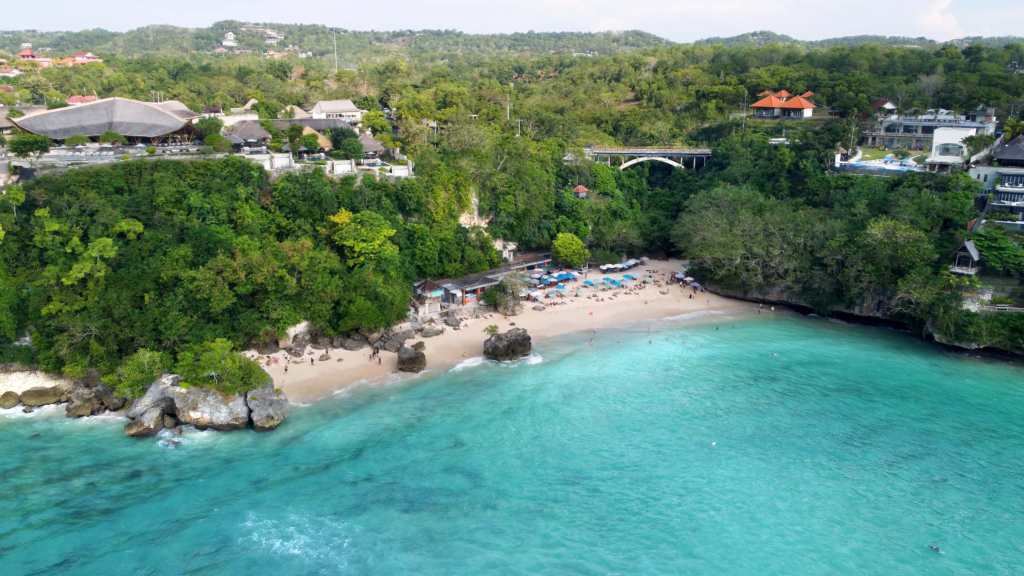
<point x="934" y="548"/>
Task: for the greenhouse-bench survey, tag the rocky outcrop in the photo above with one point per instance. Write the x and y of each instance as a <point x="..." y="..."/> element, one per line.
<point x="411" y="360"/>
<point x="354" y="343"/>
<point x="42" y="395"/>
<point x="393" y="342"/>
<point x="421" y="346"/>
<point x="83" y="402"/>
<point x="9" y="400"/>
<point x="147" y="424"/>
<point x="430" y="331"/>
<point x="324" y="357"/>
<point x="157" y="396"/>
<point x="515" y="343"/>
<point x="452" y="320"/>
<point x="268" y="407"/>
<point x="110" y="400"/>
<point x="206" y="408"/>
<point x="540" y="308"/>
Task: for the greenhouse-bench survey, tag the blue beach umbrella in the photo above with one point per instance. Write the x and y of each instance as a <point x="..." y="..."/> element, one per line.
<point x="552" y="293"/>
<point x="588" y="283"/>
<point x="560" y="287"/>
<point x="695" y="284"/>
<point x="609" y="280"/>
<point x="628" y="277"/>
<point x="616" y="284"/>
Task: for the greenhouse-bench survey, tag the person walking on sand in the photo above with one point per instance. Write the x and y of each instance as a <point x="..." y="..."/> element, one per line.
<point x="286" y="368"/>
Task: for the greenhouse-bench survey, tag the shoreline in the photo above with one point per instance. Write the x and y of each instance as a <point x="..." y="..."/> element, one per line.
<point x="307" y="382"/>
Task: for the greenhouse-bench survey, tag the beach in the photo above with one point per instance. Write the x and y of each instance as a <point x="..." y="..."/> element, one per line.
<point x="307" y="382"/>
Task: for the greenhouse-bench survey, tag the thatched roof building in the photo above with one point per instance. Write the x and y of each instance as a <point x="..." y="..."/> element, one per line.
<point x="130" y="118"/>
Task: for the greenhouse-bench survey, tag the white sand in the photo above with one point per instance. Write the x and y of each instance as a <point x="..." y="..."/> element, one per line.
<point x="305" y="382"/>
<point x="21" y="381"/>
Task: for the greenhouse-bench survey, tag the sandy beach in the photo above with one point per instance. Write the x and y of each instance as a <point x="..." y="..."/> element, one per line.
<point x="306" y="382"/>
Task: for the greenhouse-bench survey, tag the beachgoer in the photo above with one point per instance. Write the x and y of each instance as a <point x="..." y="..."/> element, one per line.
<point x="285" y="367"/>
<point x="591" y="341"/>
<point x="773" y="308"/>
<point x="312" y="362"/>
<point x="379" y="361"/>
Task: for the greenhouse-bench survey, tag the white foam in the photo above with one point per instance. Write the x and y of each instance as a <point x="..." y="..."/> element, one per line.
<point x="304" y="536"/>
<point x="469" y="363"/>
<point x="48" y="411"/>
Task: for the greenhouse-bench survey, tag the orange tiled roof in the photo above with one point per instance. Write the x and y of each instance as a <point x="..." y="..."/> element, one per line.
<point x="783" y="94"/>
<point x="798" y="102"/>
<point x="580" y="188"/>
<point x="769" y="102"/>
<point x="807" y="94"/>
<point x="767" y="93"/>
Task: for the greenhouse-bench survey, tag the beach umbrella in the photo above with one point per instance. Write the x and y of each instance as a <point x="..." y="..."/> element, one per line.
<point x="695" y="284"/>
<point x="628" y="277"/>
<point x="533" y="281"/>
<point x="647" y="278"/>
<point x="688" y="279"/>
<point x="537" y="275"/>
<point x="552" y="293"/>
<point x="608" y="280"/>
<point x="617" y="284"/>
<point x="626" y="282"/>
<point x="588" y="283"/>
<point x="579" y="292"/>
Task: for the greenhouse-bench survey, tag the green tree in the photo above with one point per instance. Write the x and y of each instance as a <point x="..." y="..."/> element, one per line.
<point x="569" y="250"/>
<point x="206" y="126"/>
<point x="377" y="122"/>
<point x="363" y="237"/>
<point x="217" y="365"/>
<point x="111" y="137"/>
<point x="311" y="142"/>
<point x="77" y="139"/>
<point x="218" y="143"/>
<point x="137" y="372"/>
<point x="339" y="135"/>
<point x="24" y="145"/>
<point x="351" y="149"/>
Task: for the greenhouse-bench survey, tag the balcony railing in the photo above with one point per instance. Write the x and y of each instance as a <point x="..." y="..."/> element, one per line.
<point x="963" y="270"/>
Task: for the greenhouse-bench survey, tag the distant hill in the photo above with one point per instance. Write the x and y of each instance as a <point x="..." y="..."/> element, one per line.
<point x="765" y="38"/>
<point x="320" y="40"/>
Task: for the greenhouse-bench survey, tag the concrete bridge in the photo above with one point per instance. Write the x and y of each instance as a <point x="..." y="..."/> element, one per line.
<point x="671" y="156"/>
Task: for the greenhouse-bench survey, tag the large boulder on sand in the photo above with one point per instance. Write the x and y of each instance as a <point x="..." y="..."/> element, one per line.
<point x="431" y="331"/>
<point x="395" y="341"/>
<point x="515" y="343"/>
<point x="411" y="360"/>
<point x="269" y="407"/>
<point x="83" y="402"/>
<point x="452" y="320"/>
<point x="148" y="424"/>
<point x="355" y="343"/>
<point x="156" y="396"/>
<point x="42" y="395"/>
<point x="9" y="399"/>
<point x="206" y="408"/>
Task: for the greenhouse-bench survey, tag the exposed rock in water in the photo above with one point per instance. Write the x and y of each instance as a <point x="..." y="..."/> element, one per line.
<point x="419" y="346"/>
<point x="411" y="360"/>
<point x="206" y="408"/>
<point x="170" y="421"/>
<point x="430" y="331"/>
<point x="157" y="396"/>
<point x="83" y="402"/>
<point x="515" y="343"/>
<point x="148" y="424"/>
<point x="42" y="395"/>
<point x="269" y="407"/>
<point x="9" y="399"/>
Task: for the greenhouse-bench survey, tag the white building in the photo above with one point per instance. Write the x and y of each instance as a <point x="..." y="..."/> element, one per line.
<point x="229" y="40"/>
<point x="948" y="148"/>
<point x="343" y="109"/>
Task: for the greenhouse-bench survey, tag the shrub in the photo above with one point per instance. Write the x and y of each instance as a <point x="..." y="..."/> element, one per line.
<point x="126" y="156"/>
<point x="77" y="139"/>
<point x="111" y="137"/>
<point x="1001" y="300"/>
<point x="150" y="150"/>
<point x="207" y="150"/>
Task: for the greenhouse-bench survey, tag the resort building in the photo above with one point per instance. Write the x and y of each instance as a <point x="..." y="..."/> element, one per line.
<point x="580" y="192"/>
<point x="135" y="120"/>
<point x="341" y="109"/>
<point x="916" y="132"/>
<point x="966" y="259"/>
<point x="782" y="105"/>
<point x="948" y="149"/>
<point x="229" y="40"/>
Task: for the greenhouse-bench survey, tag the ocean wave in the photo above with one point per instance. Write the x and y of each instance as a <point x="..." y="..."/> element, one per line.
<point x="533" y="358"/>
<point x="48" y="411"/>
<point x="469" y="363"/>
<point x="309" y="537"/>
<point x="189" y="435"/>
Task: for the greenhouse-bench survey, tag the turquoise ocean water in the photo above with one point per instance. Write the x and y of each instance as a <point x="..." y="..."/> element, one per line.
<point x="848" y="451"/>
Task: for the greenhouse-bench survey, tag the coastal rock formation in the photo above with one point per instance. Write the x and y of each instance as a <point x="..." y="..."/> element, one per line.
<point x="42" y="395"/>
<point x="9" y="400"/>
<point x="157" y="396"/>
<point x="411" y="360"/>
<point x="419" y="346"/>
<point x="324" y="357"/>
<point x="206" y="408"/>
<point x="83" y="402"/>
<point x="395" y="341"/>
<point x="515" y="343"/>
<point x="148" y="424"/>
<point x="452" y="320"/>
<point x="111" y="401"/>
<point x="430" y="331"/>
<point x="357" y="342"/>
<point x="540" y="308"/>
<point x="269" y="407"/>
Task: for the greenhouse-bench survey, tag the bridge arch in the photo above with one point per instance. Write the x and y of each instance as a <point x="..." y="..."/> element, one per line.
<point x="650" y="158"/>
